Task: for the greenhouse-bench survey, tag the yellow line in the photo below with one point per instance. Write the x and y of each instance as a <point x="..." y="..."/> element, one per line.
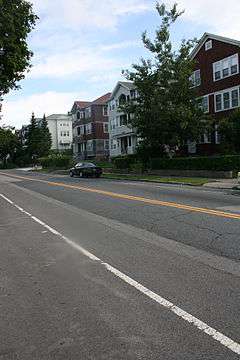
<point x="133" y="198"/>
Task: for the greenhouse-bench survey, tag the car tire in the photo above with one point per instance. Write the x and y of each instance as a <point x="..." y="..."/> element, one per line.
<point x="71" y="174"/>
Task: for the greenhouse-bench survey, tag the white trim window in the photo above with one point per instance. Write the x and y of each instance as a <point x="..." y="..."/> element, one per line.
<point x="88" y="112"/>
<point x="227" y="99"/>
<point x="204" y="104"/>
<point x="105" y="127"/>
<point x="195" y="78"/>
<point x="89" y="145"/>
<point x="81" y="129"/>
<point x="106" y="144"/>
<point x="226" y="67"/>
<point x="208" y="45"/>
<point x="89" y="128"/>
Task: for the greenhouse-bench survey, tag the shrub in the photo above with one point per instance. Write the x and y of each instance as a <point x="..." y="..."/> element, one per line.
<point x="8" y="165"/>
<point x="124" y="162"/>
<point x="220" y="163"/>
<point x="56" y="161"/>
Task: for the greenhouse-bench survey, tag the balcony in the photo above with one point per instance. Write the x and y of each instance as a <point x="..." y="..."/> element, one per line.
<point x="65" y="142"/>
<point x="122" y="131"/>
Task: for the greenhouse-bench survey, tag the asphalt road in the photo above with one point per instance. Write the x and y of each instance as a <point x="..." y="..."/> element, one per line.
<point x="100" y="269"/>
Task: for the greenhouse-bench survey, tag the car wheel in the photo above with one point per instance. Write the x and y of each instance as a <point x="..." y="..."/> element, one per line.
<point x="71" y="174"/>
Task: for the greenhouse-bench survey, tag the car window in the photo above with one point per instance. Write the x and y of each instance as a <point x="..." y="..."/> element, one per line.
<point x="89" y="165"/>
<point x="78" y="165"/>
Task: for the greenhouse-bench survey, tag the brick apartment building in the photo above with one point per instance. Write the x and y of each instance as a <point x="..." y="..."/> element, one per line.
<point x="217" y="79"/>
<point x="90" y="129"/>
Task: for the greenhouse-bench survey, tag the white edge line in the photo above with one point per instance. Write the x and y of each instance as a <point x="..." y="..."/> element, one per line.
<point x="216" y="335"/>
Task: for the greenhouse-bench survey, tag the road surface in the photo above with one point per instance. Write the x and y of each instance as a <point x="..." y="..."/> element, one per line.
<point x="101" y="269"/>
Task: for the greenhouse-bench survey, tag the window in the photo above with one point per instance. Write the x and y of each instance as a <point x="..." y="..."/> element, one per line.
<point x="105" y="110"/>
<point x="133" y="94"/>
<point x="106" y="144"/>
<point x="206" y="138"/>
<point x="227" y="99"/>
<point x="89" y="145"/>
<point x="226" y="67"/>
<point x="205" y="104"/>
<point x="195" y="78"/>
<point x="235" y="98"/>
<point x="105" y="127"/>
<point x="78" y="130"/>
<point x="88" y="112"/>
<point x="89" y="128"/>
<point x="123" y="120"/>
<point x="217" y="135"/>
<point x="113" y="144"/>
<point x="82" y="129"/>
<point x="78" y="115"/>
<point x="129" y="141"/>
<point x="208" y="45"/>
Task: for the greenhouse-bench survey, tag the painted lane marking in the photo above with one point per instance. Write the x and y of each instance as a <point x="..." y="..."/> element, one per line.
<point x="184" y="315"/>
<point x="135" y="198"/>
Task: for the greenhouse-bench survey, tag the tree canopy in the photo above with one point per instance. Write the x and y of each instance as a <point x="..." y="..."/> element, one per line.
<point x="39" y="138"/>
<point x="9" y="143"/>
<point x="167" y="111"/>
<point x="229" y="129"/>
<point x="16" y="22"/>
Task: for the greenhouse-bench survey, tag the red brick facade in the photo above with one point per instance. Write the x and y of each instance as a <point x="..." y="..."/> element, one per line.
<point x="90" y="129"/>
<point x="221" y="48"/>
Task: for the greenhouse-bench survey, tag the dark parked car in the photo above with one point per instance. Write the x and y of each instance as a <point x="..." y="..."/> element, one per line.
<point x="85" y="170"/>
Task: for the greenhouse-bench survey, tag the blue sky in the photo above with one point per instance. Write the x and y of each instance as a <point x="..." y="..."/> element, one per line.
<point x="81" y="46"/>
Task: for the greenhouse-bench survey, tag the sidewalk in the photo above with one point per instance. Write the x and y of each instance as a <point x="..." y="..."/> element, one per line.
<point x="223" y="184"/>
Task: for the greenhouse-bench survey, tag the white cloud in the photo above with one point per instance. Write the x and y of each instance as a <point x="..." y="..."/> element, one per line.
<point x="218" y="16"/>
<point x="82" y="13"/>
<point x="18" y="112"/>
<point x="80" y="61"/>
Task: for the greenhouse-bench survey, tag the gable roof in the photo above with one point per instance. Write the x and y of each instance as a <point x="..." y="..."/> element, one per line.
<point x="81" y="104"/>
<point x="126" y="84"/>
<point x="207" y="36"/>
<point x="102" y="99"/>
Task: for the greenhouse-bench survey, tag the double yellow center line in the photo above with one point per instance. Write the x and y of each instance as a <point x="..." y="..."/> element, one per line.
<point x="132" y="197"/>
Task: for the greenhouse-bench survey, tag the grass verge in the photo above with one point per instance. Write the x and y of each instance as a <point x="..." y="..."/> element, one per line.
<point x="154" y="178"/>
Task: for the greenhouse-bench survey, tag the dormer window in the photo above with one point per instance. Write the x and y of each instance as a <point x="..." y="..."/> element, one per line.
<point x="208" y="45"/>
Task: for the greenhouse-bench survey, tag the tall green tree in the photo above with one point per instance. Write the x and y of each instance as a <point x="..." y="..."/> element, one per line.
<point x="9" y="144"/>
<point x="46" y="138"/>
<point x="167" y="111"/>
<point x="16" y="22"/>
<point x="39" y="138"/>
<point x="34" y="138"/>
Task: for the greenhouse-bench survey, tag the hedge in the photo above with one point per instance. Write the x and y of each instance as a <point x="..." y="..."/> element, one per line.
<point x="124" y="162"/>
<point x="56" y="161"/>
<point x="220" y="163"/>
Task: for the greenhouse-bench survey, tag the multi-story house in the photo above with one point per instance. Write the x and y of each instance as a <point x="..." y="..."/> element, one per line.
<point x="217" y="80"/>
<point x="90" y="129"/>
<point x="60" y="127"/>
<point x="123" y="138"/>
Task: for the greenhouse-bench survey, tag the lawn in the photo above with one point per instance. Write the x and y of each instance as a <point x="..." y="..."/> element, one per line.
<point x="196" y="181"/>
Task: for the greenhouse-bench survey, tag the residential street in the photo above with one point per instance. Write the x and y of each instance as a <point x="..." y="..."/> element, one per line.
<point x="103" y="269"/>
